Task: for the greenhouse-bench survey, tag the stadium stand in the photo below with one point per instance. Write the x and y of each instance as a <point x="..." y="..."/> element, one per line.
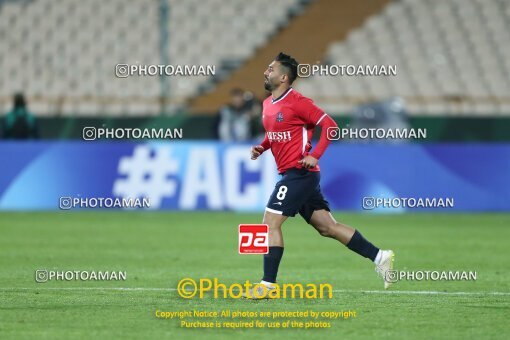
<point x="62" y="54"/>
<point x="307" y="37"/>
<point x="452" y="58"/>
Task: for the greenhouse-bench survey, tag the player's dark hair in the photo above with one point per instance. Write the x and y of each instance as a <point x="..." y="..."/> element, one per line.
<point x="290" y="64"/>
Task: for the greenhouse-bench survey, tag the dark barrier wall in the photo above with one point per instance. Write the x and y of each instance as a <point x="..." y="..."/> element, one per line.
<point x="212" y="176"/>
<point x="203" y="127"/>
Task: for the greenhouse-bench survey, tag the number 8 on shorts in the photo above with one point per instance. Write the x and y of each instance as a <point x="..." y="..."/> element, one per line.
<point x="282" y="191"/>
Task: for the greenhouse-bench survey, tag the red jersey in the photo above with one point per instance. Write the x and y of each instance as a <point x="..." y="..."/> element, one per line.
<point x="289" y="122"/>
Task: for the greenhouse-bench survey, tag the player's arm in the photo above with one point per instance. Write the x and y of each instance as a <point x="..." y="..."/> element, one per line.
<point x="326" y="123"/>
<point x="311" y="160"/>
<point x="257" y="150"/>
<point x="314" y="115"/>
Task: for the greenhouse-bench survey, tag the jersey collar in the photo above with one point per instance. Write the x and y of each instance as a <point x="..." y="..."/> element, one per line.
<point x="284" y="94"/>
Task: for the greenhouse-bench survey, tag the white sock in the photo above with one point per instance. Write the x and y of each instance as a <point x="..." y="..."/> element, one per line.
<point x="378" y="257"/>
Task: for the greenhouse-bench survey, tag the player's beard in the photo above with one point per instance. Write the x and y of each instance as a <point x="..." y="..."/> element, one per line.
<point x="268" y="86"/>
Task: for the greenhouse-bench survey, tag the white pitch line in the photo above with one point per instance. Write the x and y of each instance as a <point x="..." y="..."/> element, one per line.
<point x="408" y="292"/>
<point x="418" y="292"/>
<point x="89" y="288"/>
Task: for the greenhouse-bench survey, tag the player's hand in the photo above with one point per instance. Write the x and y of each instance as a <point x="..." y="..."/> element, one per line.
<point x="308" y="162"/>
<point x="256" y="151"/>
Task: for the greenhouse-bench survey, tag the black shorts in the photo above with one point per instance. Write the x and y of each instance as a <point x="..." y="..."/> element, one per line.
<point x="299" y="190"/>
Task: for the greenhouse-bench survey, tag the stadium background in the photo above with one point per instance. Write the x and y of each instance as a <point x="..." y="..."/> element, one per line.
<point x="453" y="78"/>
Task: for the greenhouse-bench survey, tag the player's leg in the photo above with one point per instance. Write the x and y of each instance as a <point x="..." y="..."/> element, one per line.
<point x="274" y="256"/>
<point x="317" y="213"/>
<point x="281" y="205"/>
<point x="288" y="196"/>
<point x="275" y="222"/>
<point x="327" y="226"/>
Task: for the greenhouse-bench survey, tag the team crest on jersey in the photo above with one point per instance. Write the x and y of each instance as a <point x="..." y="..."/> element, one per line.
<point x="279" y="117"/>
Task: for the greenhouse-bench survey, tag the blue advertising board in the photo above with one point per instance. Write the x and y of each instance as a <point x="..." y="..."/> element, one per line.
<point x="216" y="176"/>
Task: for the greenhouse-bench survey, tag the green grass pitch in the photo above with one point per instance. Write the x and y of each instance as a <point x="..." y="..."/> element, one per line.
<point x="157" y="249"/>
